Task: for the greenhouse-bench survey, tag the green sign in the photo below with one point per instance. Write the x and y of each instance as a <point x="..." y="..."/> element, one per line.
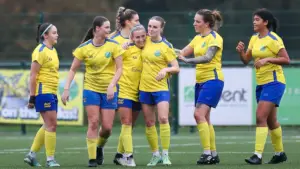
<point x="289" y="110"/>
<point x="189" y="93"/>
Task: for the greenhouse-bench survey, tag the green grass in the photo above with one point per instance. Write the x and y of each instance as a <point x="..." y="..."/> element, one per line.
<point x="233" y="143"/>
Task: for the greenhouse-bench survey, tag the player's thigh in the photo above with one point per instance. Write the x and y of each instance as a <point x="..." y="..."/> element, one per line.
<point x="163" y="111"/>
<point x="107" y="118"/>
<point x="272" y="119"/>
<point x="263" y="111"/>
<point x="50" y="120"/>
<point x="93" y="113"/>
<point x="125" y="115"/>
<point x="149" y="114"/>
<point x="201" y="111"/>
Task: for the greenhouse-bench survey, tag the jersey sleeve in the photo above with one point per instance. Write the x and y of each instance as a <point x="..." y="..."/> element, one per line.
<point x="170" y="54"/>
<point x="276" y="45"/>
<point x="118" y="51"/>
<point x="218" y="42"/>
<point x="78" y="53"/>
<point x="251" y="42"/>
<point x="38" y="57"/>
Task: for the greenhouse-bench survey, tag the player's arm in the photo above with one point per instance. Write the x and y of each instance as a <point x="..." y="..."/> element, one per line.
<point x="119" y="67"/>
<point x="74" y="67"/>
<point x="277" y="47"/>
<point x="209" y="55"/>
<point x="114" y="81"/>
<point x="283" y="58"/>
<point x="186" y="51"/>
<point x="244" y="56"/>
<point x="174" y="68"/>
<point x="173" y="65"/>
<point x="34" y="70"/>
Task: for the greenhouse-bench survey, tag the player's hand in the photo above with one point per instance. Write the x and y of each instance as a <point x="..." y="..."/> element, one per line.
<point x="161" y="75"/>
<point x="182" y="58"/>
<point x="65" y="96"/>
<point x="126" y="45"/>
<point x="31" y="102"/>
<point x="240" y="47"/>
<point x="110" y="92"/>
<point x="259" y="63"/>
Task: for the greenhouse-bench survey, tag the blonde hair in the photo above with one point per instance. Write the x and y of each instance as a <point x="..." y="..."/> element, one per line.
<point x="136" y="28"/>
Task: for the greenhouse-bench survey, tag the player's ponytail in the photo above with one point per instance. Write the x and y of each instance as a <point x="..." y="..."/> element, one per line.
<point x="213" y="18"/>
<point x="120" y="14"/>
<point x="38" y="33"/>
<point x="88" y="35"/>
<point x="275" y="24"/>
<point x="218" y="20"/>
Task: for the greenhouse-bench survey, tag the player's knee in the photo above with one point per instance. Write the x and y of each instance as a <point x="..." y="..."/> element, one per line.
<point x="106" y="129"/>
<point x="261" y="117"/>
<point x="52" y="127"/>
<point x="93" y="125"/>
<point x="199" y="117"/>
<point x="273" y="123"/>
<point x="106" y="132"/>
<point x="163" y="120"/>
<point x="150" y="123"/>
<point x="126" y="121"/>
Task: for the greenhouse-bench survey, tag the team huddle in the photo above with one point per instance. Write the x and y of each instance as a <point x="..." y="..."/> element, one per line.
<point x="128" y="72"/>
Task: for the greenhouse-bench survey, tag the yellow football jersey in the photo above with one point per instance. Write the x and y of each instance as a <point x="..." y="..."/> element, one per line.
<point x="213" y="69"/>
<point x="118" y="37"/>
<point x="132" y="69"/>
<point x="155" y="57"/>
<point x="99" y="62"/>
<point x="264" y="47"/>
<point x="48" y="76"/>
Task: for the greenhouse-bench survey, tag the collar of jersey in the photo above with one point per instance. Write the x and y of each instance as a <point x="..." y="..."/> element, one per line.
<point x="206" y="35"/>
<point x="99" y="45"/>
<point x="47" y="47"/>
<point x="122" y="35"/>
<point x="264" y="36"/>
<point x="162" y="38"/>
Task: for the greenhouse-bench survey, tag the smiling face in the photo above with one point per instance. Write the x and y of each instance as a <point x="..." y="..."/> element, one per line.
<point x="139" y="37"/>
<point x="258" y="23"/>
<point x="51" y="36"/>
<point x="103" y="31"/>
<point x="154" y="28"/>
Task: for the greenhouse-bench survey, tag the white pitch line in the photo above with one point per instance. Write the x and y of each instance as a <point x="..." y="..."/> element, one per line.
<point x="146" y="146"/>
<point x="144" y="138"/>
<point x="136" y="152"/>
<point x="181" y="145"/>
